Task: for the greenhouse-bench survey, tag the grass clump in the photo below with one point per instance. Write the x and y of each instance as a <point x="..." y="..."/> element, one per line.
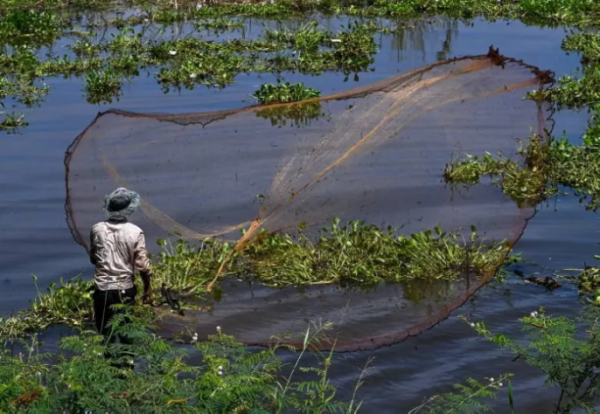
<point x="527" y="183"/>
<point x="11" y="122"/>
<point x="578" y="91"/>
<point x="588" y="44"/>
<point x="284" y="93"/>
<point x="575" y="92"/>
<point x="69" y="303"/>
<point x="354" y="254"/>
<point x="359" y="254"/>
<point x="102" y="86"/>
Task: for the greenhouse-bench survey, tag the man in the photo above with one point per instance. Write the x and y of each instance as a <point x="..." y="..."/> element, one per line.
<point x="117" y="250"/>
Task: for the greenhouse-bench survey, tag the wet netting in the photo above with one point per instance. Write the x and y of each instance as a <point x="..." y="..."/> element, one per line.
<point x="375" y="153"/>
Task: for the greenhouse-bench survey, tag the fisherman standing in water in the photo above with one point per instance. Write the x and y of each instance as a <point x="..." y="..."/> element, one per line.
<point x="117" y="250"/>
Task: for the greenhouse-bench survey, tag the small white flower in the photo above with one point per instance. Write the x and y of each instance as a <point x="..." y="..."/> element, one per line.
<point x="145" y="20"/>
<point x="195" y="336"/>
<point x="220" y="368"/>
<point x="336" y="40"/>
<point x="193" y="76"/>
<point x="172" y="52"/>
<point x="198" y="6"/>
<point x="500" y="384"/>
<point x="534" y="314"/>
<point x="491" y="379"/>
<point x="99" y="353"/>
<point x="130" y="362"/>
<point x="272" y="1"/>
<point x="220" y="373"/>
<point x="39" y="374"/>
<point x="218" y="329"/>
<point x="472" y="325"/>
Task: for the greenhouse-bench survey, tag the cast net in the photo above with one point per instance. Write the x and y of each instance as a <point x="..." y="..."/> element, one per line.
<point x="375" y="153"/>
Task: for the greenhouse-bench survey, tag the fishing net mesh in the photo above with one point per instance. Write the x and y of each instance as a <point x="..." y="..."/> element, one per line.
<point x="375" y="153"/>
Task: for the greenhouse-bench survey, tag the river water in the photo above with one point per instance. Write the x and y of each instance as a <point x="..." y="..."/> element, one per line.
<point x="35" y="238"/>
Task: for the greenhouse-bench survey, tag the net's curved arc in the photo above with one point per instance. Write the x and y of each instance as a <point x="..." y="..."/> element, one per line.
<point x="278" y="202"/>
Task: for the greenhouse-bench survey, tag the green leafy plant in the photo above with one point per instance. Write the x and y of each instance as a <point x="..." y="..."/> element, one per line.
<point x="565" y="350"/>
<point x="586" y="43"/>
<point x="469" y="398"/>
<point x="546" y="167"/>
<point x="93" y="375"/>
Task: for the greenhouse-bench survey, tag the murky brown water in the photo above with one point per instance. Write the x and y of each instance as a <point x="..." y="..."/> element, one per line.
<point x="36" y="240"/>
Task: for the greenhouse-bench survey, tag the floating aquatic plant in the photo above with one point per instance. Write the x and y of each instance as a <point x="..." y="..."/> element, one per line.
<point x="284" y="92"/>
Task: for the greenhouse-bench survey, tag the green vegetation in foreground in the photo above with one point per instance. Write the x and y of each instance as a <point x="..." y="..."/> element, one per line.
<point x="92" y="376"/>
<point x="284" y="93"/>
<point x="565" y="350"/>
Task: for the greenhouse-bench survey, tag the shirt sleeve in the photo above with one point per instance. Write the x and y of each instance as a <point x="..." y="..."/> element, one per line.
<point x="141" y="261"/>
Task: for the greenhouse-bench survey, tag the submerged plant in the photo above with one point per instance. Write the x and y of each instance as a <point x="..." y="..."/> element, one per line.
<point x="299" y="115"/>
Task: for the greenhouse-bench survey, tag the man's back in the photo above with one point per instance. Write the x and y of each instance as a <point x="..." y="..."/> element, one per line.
<point x="118" y="249"/>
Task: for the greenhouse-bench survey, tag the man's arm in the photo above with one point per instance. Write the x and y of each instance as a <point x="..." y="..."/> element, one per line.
<point x="142" y="264"/>
<point x="92" y="247"/>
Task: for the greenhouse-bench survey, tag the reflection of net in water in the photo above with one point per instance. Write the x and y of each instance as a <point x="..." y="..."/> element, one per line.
<point x="378" y="155"/>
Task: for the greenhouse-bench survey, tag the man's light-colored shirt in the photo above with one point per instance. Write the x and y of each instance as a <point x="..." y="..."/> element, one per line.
<point x="117" y="250"/>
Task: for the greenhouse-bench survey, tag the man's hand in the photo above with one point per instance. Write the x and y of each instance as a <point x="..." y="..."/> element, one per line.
<point x="148" y="297"/>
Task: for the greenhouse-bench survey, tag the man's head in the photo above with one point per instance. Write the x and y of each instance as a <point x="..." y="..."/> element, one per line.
<point x="120" y="204"/>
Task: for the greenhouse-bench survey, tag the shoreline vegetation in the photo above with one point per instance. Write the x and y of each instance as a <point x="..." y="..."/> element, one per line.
<point x="230" y="378"/>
